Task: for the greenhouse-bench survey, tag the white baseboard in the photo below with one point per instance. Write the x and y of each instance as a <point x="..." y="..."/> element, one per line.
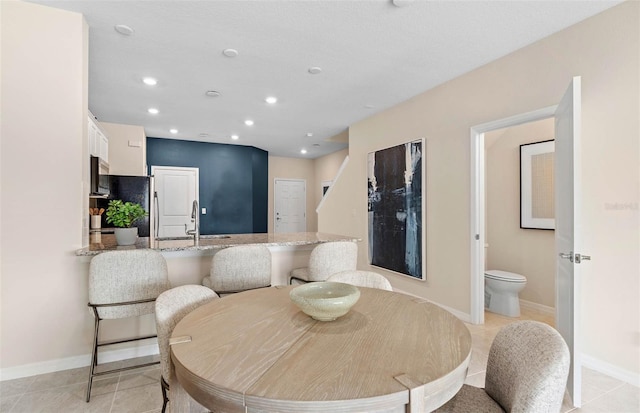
<point x="461" y="315"/>
<point x="33" y="369"/>
<point x="587" y="361"/>
<point x="610" y="370"/>
<point x="544" y="309"/>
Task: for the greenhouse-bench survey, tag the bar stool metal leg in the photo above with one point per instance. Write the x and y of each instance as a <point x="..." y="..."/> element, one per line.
<point x="94" y="354"/>
<point x="165" y="389"/>
<point x="97" y="344"/>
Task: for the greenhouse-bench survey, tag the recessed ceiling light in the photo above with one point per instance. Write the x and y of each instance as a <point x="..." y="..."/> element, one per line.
<point x="316" y="144"/>
<point x="303" y="151"/>
<point x="309" y="134"/>
<point x="203" y="135"/>
<point x="248" y="122"/>
<point x="212" y="93"/>
<point x="315" y="70"/>
<point x="401" y="3"/>
<point x="271" y="99"/>
<point x="174" y="131"/>
<point x="230" y="52"/>
<point x="235" y="137"/>
<point x="150" y="81"/>
<point x="153" y="111"/>
<point x="123" y="29"/>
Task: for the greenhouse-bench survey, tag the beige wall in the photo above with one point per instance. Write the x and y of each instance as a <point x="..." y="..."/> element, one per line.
<point x="38" y="293"/>
<point x="528" y="252"/>
<point x="293" y="168"/>
<point x="325" y="169"/>
<point x="123" y="158"/>
<point x="313" y="172"/>
<point x="604" y="51"/>
<point x="45" y="193"/>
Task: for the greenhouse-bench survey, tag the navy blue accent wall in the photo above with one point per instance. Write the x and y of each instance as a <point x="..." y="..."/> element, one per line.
<point x="233" y="182"/>
<point x="260" y="190"/>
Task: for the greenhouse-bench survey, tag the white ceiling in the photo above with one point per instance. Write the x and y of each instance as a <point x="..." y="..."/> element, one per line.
<point x="373" y="56"/>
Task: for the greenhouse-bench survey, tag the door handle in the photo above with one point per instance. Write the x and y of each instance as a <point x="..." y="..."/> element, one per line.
<point x="577" y="258"/>
<point x="156" y="214"/>
<point x="568" y="256"/>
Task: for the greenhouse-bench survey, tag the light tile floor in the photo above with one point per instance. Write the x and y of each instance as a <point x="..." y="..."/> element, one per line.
<point x="138" y="391"/>
<point x="600" y="393"/>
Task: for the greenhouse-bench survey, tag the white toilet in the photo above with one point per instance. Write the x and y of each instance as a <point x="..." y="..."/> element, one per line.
<point x="501" y="290"/>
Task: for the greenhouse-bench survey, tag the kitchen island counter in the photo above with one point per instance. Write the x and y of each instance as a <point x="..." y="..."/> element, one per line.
<point x="107" y="242"/>
<point x="188" y="262"/>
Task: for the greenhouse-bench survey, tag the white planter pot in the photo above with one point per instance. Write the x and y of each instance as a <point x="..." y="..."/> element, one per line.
<point x="126" y="236"/>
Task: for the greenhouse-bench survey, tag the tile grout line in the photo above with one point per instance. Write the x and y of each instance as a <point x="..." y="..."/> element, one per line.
<point x="113" y="399"/>
<point x="15" y="403"/>
<point x="604" y="394"/>
<point x="33" y="380"/>
<point x="22" y="394"/>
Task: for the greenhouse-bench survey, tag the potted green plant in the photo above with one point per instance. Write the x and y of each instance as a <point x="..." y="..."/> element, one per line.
<point x="123" y="215"/>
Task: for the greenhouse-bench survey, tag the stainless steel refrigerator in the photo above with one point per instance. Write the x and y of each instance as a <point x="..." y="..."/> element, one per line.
<point x="138" y="189"/>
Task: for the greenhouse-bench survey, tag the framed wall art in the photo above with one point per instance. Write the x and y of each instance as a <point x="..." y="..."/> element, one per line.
<point x="395" y="206"/>
<point x="325" y="187"/>
<point x="537" y="209"/>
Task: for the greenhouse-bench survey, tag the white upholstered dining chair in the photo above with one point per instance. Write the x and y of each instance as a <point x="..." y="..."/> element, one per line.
<point x="171" y="307"/>
<point x="123" y="284"/>
<point x="327" y="259"/>
<point x="527" y="372"/>
<point x="239" y="268"/>
<point x="362" y="279"/>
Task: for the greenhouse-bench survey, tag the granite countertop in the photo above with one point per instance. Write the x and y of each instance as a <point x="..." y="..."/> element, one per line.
<point x="107" y="242"/>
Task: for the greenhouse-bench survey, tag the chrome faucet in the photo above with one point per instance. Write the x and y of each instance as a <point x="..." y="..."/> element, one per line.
<point x="195" y="217"/>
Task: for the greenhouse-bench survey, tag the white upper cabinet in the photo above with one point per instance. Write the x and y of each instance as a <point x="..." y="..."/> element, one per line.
<point x="98" y="140"/>
<point x="104" y="147"/>
<point x="93" y="131"/>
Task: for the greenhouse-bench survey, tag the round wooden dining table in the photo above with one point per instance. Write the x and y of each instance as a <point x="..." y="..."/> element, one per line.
<point x="257" y="352"/>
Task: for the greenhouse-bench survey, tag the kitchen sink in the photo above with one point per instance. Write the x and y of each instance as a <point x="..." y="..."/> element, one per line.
<point x="190" y="237"/>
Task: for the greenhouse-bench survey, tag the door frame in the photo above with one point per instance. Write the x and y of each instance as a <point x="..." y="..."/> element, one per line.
<point x="477" y="235"/>
<point x="275" y="199"/>
<point x="156" y="207"/>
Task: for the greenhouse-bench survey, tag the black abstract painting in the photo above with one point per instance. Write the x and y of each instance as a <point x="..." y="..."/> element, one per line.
<point x="395" y="208"/>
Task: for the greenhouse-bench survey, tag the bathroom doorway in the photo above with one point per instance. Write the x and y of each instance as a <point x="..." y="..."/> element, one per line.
<point x="568" y="239"/>
<point x="478" y="213"/>
<point x="509" y="245"/>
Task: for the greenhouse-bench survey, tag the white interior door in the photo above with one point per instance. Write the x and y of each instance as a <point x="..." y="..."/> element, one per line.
<point x="568" y="229"/>
<point x="175" y="190"/>
<point x="290" y="205"/>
